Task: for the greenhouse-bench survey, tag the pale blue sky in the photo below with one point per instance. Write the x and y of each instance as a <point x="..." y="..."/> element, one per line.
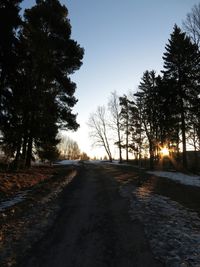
<point x="122" y="39"/>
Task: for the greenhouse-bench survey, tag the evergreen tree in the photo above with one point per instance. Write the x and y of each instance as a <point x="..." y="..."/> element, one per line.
<point x="149" y="100"/>
<point x="43" y="98"/>
<point x="139" y="130"/>
<point x="181" y="67"/>
<point x="9" y="24"/>
<point x="126" y="116"/>
<point x="53" y="56"/>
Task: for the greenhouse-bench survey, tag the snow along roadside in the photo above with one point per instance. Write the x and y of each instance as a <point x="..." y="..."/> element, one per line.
<point x="182" y="178"/>
<point x="173" y="231"/>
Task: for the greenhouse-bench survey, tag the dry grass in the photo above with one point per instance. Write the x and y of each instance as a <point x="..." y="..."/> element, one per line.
<point x="12" y="182"/>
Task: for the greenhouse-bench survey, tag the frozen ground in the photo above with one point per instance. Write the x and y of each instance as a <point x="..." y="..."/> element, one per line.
<point x="193" y="180"/>
<point x="19" y="197"/>
<point x="182" y="178"/>
<point x="67" y="162"/>
<point x="172" y="230"/>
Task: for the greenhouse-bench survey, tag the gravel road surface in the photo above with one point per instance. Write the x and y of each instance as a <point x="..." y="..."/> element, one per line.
<point x="93" y="229"/>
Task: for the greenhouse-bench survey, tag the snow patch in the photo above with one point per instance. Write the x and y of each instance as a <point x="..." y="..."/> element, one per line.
<point x="172" y="230"/>
<point x="67" y="162"/>
<point x="182" y="178"/>
<point x="19" y="197"/>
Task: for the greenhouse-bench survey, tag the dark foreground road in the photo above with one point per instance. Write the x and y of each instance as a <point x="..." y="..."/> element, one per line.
<point x="94" y="228"/>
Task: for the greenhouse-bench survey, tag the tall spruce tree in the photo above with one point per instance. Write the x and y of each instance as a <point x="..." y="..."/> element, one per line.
<point x="53" y="56"/>
<point x="181" y="68"/>
<point x="169" y="119"/>
<point x="127" y="110"/>
<point x="44" y="95"/>
<point x="9" y="25"/>
<point x="148" y="98"/>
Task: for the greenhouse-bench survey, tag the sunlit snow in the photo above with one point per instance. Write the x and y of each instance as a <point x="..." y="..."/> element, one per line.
<point x="182" y="178"/>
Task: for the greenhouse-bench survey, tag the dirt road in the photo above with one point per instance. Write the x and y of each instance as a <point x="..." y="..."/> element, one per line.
<point x="93" y="229"/>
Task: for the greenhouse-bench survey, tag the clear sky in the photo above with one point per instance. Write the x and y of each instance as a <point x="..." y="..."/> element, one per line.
<point x="122" y="39"/>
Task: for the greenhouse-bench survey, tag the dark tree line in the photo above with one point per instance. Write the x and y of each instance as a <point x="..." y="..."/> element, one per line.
<point x="167" y="110"/>
<point x="37" y="57"/>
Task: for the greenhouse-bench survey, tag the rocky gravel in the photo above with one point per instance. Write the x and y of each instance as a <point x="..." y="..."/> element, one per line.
<point x="173" y="231"/>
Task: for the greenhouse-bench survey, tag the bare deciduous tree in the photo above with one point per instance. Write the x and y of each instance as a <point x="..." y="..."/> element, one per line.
<point x="69" y="148"/>
<point x="192" y="24"/>
<point x="115" y="123"/>
<point x="99" y="129"/>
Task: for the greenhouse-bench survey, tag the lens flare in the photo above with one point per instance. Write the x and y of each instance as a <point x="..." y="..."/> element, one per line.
<point x="164" y="151"/>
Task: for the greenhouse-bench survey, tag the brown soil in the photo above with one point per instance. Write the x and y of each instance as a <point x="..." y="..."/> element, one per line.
<point x="12" y="182"/>
<point x="24" y="223"/>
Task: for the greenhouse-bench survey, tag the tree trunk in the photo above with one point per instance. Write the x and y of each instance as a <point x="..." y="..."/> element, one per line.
<point x="24" y="148"/>
<point x="29" y="152"/>
<point x="184" y="156"/>
<point x="120" y="154"/>
<point x="127" y="133"/>
<point x="127" y="145"/>
<point x="25" y="138"/>
<point x="108" y="153"/>
<point x="151" y="155"/>
<point x="17" y="156"/>
<point x="120" y="147"/>
<point x="107" y="148"/>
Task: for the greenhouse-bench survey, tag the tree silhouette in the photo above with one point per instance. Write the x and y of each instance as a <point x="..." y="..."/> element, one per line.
<point x="181" y="67"/>
<point x="192" y="24"/>
<point x="149" y="100"/>
<point x="99" y="129"/>
<point x="9" y="24"/>
<point x="115" y="121"/>
<point x="43" y="96"/>
<point x="127" y="107"/>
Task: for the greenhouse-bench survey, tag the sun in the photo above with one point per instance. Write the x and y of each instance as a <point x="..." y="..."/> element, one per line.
<point x="164" y="151"/>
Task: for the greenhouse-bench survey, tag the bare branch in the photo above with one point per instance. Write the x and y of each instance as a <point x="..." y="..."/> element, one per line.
<point x="192" y="24"/>
<point x="98" y="129"/>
